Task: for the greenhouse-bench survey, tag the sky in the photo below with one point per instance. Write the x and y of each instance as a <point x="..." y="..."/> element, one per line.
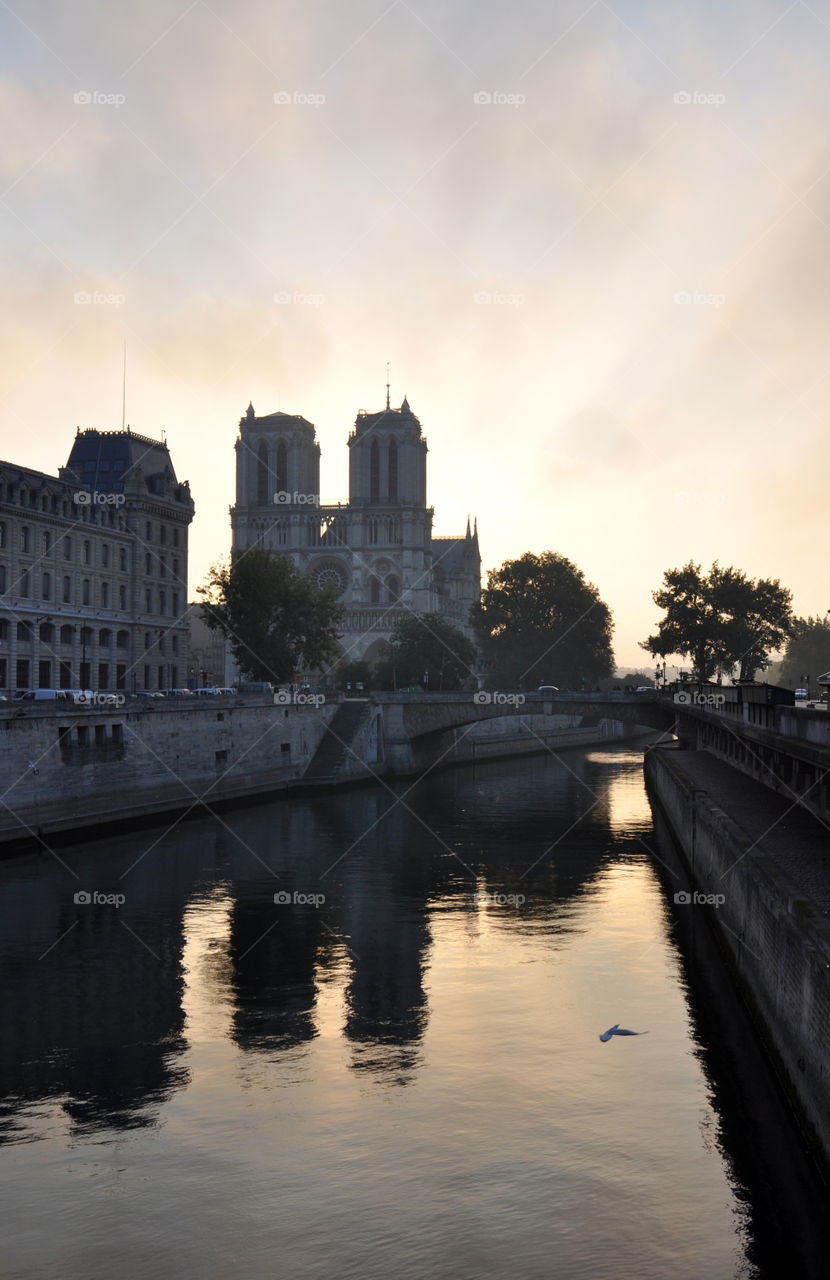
<point x="590" y="238"/>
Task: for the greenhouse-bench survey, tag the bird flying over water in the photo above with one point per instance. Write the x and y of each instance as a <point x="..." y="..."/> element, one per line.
<point x="617" y="1030"/>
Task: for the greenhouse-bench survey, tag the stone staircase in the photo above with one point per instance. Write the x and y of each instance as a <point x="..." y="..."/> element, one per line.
<point x="333" y="750"/>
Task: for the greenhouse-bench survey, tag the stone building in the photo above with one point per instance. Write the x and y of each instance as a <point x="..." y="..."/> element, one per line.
<point x="378" y="548"/>
<point x="93" y="568"/>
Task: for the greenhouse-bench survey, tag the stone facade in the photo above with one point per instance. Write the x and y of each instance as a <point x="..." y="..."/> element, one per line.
<point x="93" y="568"/>
<point x="378" y="548"/>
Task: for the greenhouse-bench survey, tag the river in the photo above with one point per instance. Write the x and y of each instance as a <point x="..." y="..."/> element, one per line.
<point x="394" y="1069"/>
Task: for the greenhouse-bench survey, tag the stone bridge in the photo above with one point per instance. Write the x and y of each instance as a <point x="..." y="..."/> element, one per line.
<point x="412" y="721"/>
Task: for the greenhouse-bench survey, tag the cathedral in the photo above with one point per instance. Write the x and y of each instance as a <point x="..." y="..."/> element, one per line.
<point x="378" y="548"/>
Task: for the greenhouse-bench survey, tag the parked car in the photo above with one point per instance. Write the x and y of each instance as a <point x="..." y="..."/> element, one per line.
<point x="548" y="688"/>
<point x="176" y="693"/>
<point x="801" y="695"/>
<point x="43" y="695"/>
<point x="208" y="692"/>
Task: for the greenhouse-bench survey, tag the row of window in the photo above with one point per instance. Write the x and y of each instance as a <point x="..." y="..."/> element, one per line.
<point x="52" y="504"/>
<point x="85" y="676"/>
<point x="106" y="599"/>
<point x="26" y="541"/>
<point x="380" y="531"/>
<point x="69" y="632"/>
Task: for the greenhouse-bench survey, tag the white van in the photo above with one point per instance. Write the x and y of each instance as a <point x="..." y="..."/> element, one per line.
<point x="42" y="695"/>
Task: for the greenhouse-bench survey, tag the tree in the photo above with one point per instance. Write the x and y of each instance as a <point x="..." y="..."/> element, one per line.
<point x="275" y="619"/>
<point x="540" y="622"/>
<point x="426" y="644"/>
<point x="721" y="620"/>
<point x="807" y="652"/>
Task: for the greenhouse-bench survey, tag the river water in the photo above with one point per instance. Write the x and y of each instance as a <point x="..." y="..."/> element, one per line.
<point x="402" y="1079"/>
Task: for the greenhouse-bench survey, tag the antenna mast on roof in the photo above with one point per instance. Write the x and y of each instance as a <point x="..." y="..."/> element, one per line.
<point x="387" y="384"/>
<point x="124" y="388"/>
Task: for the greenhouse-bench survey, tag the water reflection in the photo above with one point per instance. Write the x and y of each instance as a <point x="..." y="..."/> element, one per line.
<point x="478" y="930"/>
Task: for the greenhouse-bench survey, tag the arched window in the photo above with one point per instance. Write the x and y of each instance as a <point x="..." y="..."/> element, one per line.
<point x="393" y="587"/>
<point x="282" y="468"/>
<point x="374" y="472"/>
<point x="104" y="637"/>
<point x="393" y="469"/>
<point x="374" y="591"/>
<point x="262" y="476"/>
<point x="67" y="634"/>
<point x="47" y="632"/>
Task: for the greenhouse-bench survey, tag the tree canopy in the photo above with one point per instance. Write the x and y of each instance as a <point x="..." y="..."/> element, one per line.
<point x="426" y="644"/>
<point x="540" y="622"/>
<point x="275" y="619"/>
<point x="807" y="652"/>
<point x="722" y="620"/>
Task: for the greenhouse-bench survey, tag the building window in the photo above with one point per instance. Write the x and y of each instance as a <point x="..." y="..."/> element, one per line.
<point x="175" y="537"/>
<point x="24" y="538"/>
<point x="24" y="584"/>
<point x="147" y="640"/>
<point x="85" y="591"/>
<point x="148" y="600"/>
<point x="105" y="637"/>
<point x="374" y="589"/>
<point x="105" y="555"/>
<point x="67" y="590"/>
<point x="122" y="559"/>
<point x="176" y="603"/>
<point x="393" y="587"/>
<point x="87" y="552"/>
<point x="162" y="568"/>
<point x="121" y="640"/>
<point x="162" y="533"/>
<point x="162" y="602"/>
<point x="2" y="579"/>
<point x="2" y="533"/>
<point x="174" y="644"/>
<point x="67" y="634"/>
<point x="148" y="563"/>
<point x="374" y="472"/>
<point x="103" y="675"/>
<point x="122" y="597"/>
<point x="105" y="595"/>
<point x="262" y="476"/>
<point x="175" y="568"/>
<point x="4" y="633"/>
<point x="47" y="633"/>
<point x="149" y="531"/>
<point x="282" y="467"/>
<point x="47" y="542"/>
<point x="393" y="469"/>
<point x="67" y="548"/>
<point x="24" y="633"/>
<point x="46" y="587"/>
<point x="22" y="673"/>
